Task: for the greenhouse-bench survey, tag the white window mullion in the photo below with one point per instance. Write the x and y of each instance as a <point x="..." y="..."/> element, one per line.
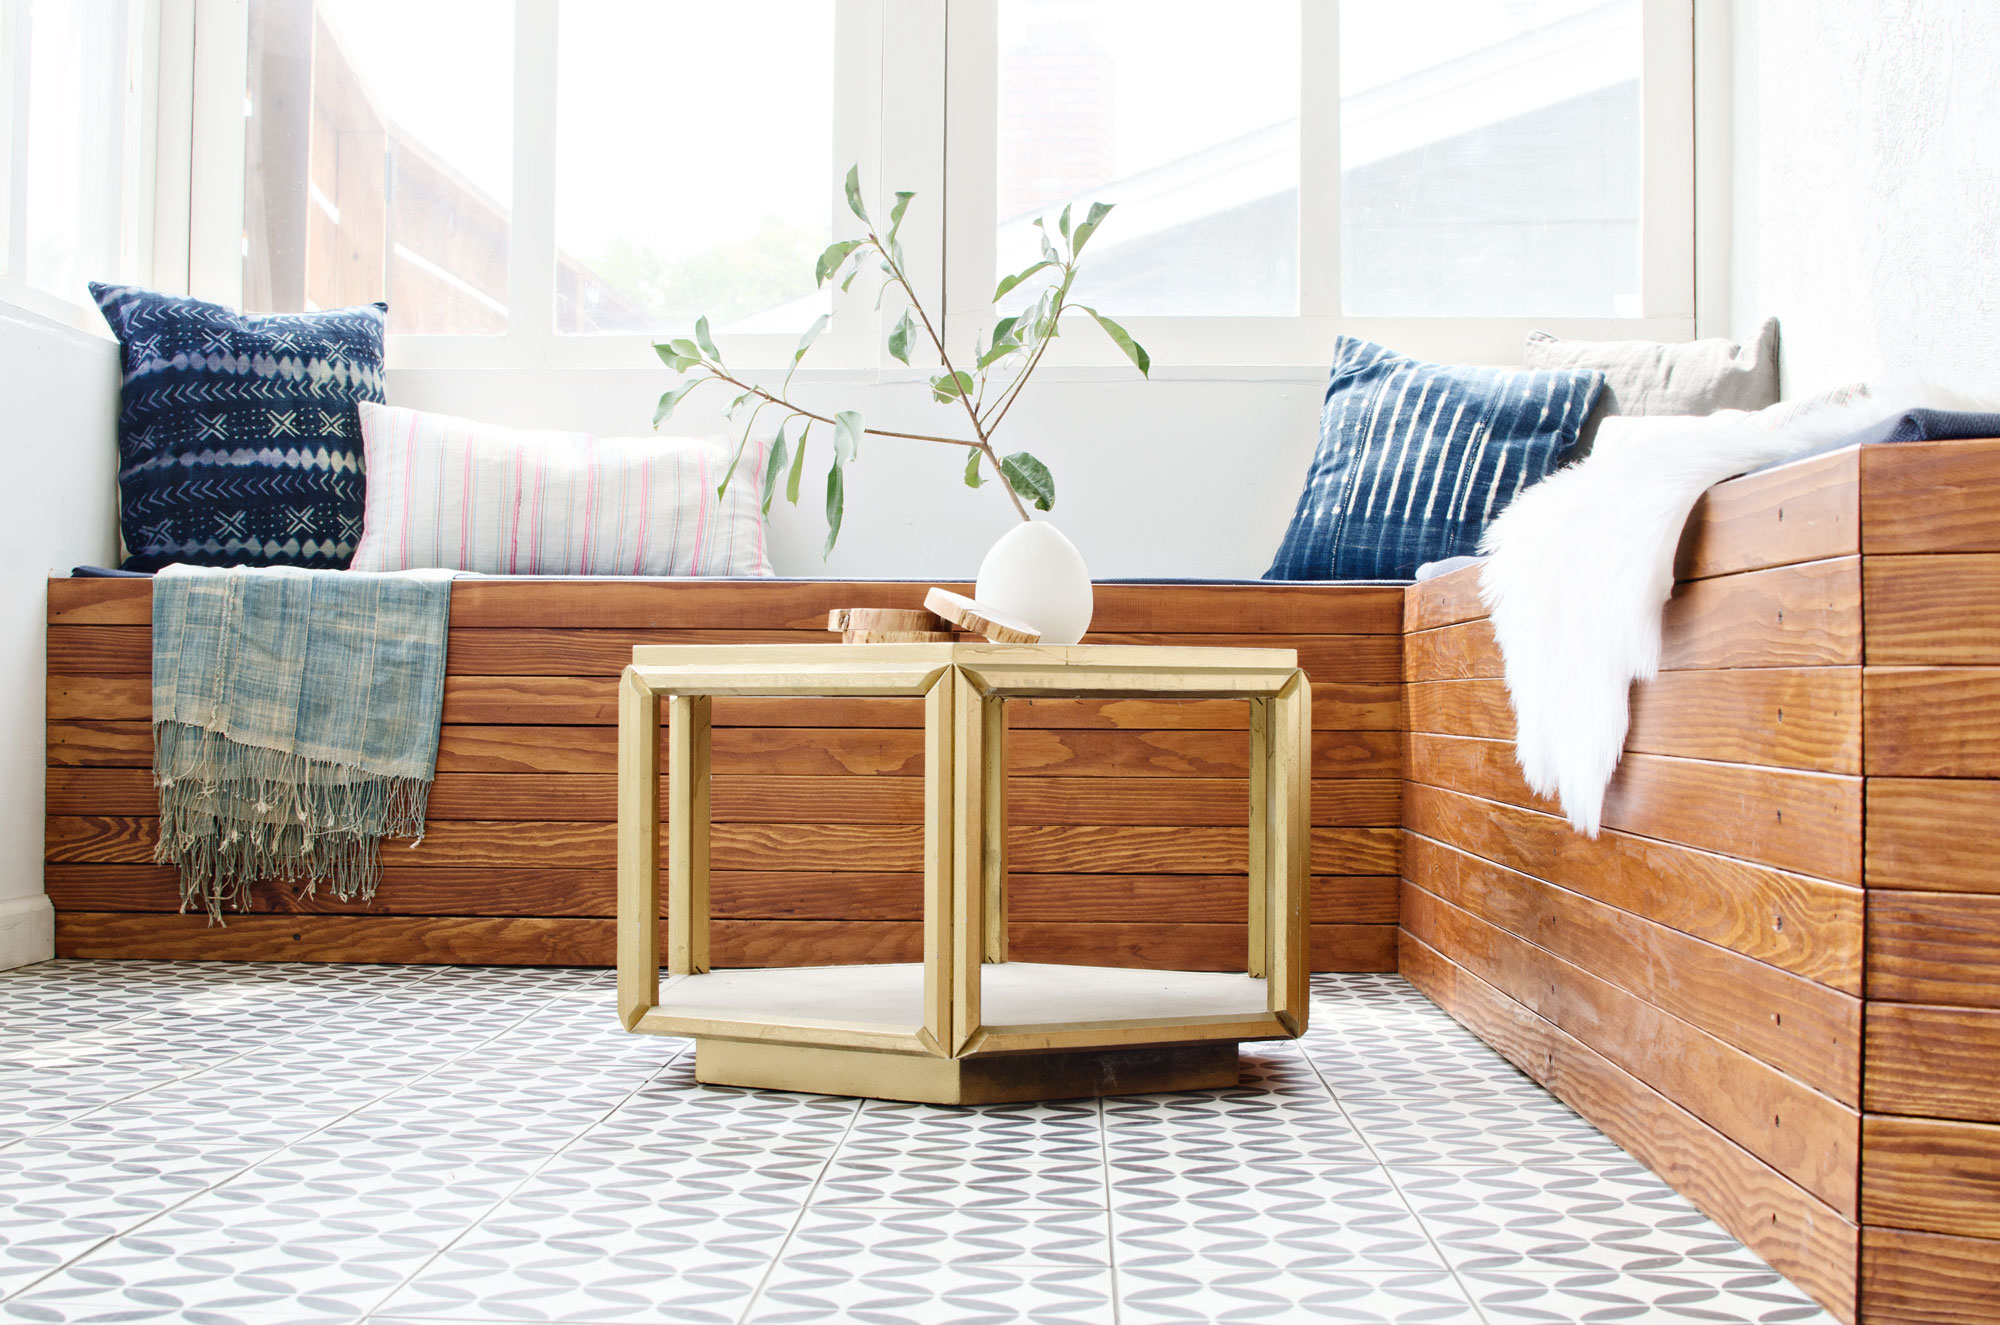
<point x="531" y="261"/>
<point x="1319" y="161"/>
<point x="16" y="19"/>
<point x="215" y="204"/>
<point x="1667" y="218"/>
<point x="971" y="147"/>
<point x="910" y="147"/>
<point x="172" y="170"/>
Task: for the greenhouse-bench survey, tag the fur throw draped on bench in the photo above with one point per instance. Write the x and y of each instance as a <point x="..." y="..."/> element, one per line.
<point x="295" y="724"/>
<point x="1581" y="565"/>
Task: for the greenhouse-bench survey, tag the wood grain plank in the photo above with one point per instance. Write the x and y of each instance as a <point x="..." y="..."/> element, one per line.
<point x="1934" y="948"/>
<point x="739" y="894"/>
<point x="1801" y="1133"/>
<point x="1444" y="600"/>
<point x="1931" y="611"/>
<point x="1927" y="497"/>
<point x="1808" y="823"/>
<point x="1937" y="1062"/>
<point x="1936" y="835"/>
<point x="1804" y="511"/>
<point x="1801" y="1237"/>
<point x="605" y="603"/>
<point x="1932" y="721"/>
<point x="1805" y="1030"/>
<point x="1789" y="616"/>
<point x="1931" y="1175"/>
<point x="1912" y="1278"/>
<point x="1809" y="927"/>
<point x="1808" y="717"/>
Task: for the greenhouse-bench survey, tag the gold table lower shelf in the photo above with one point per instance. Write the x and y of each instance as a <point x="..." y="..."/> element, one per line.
<point x="757" y="1028"/>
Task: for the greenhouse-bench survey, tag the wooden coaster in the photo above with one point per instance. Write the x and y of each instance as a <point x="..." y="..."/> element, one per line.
<point x="896" y="619"/>
<point x="980" y="619"/>
<point x="897" y="637"/>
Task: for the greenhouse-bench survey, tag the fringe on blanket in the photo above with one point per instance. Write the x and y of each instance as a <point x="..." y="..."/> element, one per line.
<point x="232" y="814"/>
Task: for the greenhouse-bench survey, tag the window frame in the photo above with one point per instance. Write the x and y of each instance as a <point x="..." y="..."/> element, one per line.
<point x="1667" y="218"/>
<point x="138" y="196"/>
<point x="880" y="68"/>
<point x="898" y="116"/>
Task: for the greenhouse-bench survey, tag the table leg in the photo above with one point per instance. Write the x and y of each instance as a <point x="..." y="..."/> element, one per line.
<point x="1260" y="839"/>
<point x="638" y="850"/>
<point x="687" y="833"/>
<point x="940" y="798"/>
<point x="979" y="839"/>
<point x="1288" y="801"/>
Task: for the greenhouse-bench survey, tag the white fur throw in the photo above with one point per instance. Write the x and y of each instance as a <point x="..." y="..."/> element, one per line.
<point x="1582" y="564"/>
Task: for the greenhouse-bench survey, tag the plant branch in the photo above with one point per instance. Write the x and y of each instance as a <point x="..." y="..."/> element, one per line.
<point x="985" y="443"/>
<point x="722" y="375"/>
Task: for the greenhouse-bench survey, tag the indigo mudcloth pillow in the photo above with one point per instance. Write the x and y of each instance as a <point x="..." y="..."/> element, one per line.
<point x="238" y="440"/>
<point x="1414" y="458"/>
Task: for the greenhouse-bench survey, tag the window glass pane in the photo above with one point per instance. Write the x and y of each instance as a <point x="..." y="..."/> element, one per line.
<point x="1490" y="157"/>
<point x="82" y="79"/>
<point x="378" y="160"/>
<point x="694" y="164"/>
<point x="1182" y="112"/>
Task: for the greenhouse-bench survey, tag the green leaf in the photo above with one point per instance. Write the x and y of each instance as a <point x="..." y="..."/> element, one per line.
<point x="805" y="343"/>
<point x="1098" y="211"/>
<point x="1004" y="342"/>
<point x="673" y="358"/>
<point x="774" y="466"/>
<point x="1030" y="478"/>
<point x="848" y="284"/>
<point x="973" y="478"/>
<point x="947" y="387"/>
<point x="1048" y="246"/>
<point x="1123" y="340"/>
<point x="1045" y="316"/>
<point x="1063" y="223"/>
<point x="846" y="436"/>
<point x="701" y="338"/>
<point x="854" y="193"/>
<point x="1010" y="282"/>
<point x="899" y="339"/>
<point x="673" y="398"/>
<point x="798" y="466"/>
<point x="896" y="214"/>
<point x="830" y="260"/>
<point x="836" y="499"/>
<point x="735" y="405"/>
<point x="722" y="488"/>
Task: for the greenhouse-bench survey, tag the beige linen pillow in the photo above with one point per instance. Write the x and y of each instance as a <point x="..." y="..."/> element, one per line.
<point x="1654" y="377"/>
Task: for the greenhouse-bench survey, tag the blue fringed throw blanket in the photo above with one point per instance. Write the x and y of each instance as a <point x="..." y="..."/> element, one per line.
<point x="295" y="724"/>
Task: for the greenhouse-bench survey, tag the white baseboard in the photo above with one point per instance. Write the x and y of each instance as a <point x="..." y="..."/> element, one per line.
<point x="27" y="930"/>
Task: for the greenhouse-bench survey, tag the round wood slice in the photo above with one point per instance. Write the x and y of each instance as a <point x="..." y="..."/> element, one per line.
<point x="980" y="619"/>
<point x="897" y="637"/>
<point x="885" y="618"/>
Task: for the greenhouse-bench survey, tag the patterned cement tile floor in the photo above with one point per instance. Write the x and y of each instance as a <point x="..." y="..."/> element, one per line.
<point x="278" y="1145"/>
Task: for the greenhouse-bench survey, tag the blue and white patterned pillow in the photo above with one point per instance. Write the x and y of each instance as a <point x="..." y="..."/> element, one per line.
<point x="239" y="442"/>
<point x="1414" y="458"/>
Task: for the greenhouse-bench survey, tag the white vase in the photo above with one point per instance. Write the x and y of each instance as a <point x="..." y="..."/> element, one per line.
<point x="1036" y="574"/>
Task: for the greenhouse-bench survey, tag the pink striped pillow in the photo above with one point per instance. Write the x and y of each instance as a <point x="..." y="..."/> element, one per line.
<point x="445" y="492"/>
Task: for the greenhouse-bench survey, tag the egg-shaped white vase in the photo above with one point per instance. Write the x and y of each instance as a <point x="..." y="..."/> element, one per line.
<point x="1036" y="574"/>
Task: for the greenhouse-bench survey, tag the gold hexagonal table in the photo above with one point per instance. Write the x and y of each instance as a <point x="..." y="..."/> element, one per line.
<point x="966" y="1026"/>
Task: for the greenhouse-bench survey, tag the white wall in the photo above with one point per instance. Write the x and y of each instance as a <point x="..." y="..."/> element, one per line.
<point x="1867" y="188"/>
<point x="1193" y="474"/>
<point x="58" y="509"/>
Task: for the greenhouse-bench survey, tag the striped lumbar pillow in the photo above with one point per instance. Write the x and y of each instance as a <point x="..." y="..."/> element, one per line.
<point x="447" y="492"/>
<point x="1414" y="458"/>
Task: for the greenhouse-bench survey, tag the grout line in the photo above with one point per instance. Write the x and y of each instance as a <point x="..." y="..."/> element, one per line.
<point x="264" y="1157"/>
<point x="763" y="1281"/>
<point x="529" y="1177"/>
<point x="1397" y="1187"/>
<point x="1110" y="1215"/>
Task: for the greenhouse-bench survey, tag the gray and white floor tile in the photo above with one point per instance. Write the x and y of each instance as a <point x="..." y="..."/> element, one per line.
<point x="293" y="1144"/>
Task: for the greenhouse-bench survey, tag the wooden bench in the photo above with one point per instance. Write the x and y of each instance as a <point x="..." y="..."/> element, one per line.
<point x="1775" y="978"/>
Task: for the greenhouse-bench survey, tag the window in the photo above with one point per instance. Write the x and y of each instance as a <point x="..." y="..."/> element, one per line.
<point x="554" y="183"/>
<point x="714" y="199"/>
<point x="76" y="89"/>
<point x="373" y="169"/>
